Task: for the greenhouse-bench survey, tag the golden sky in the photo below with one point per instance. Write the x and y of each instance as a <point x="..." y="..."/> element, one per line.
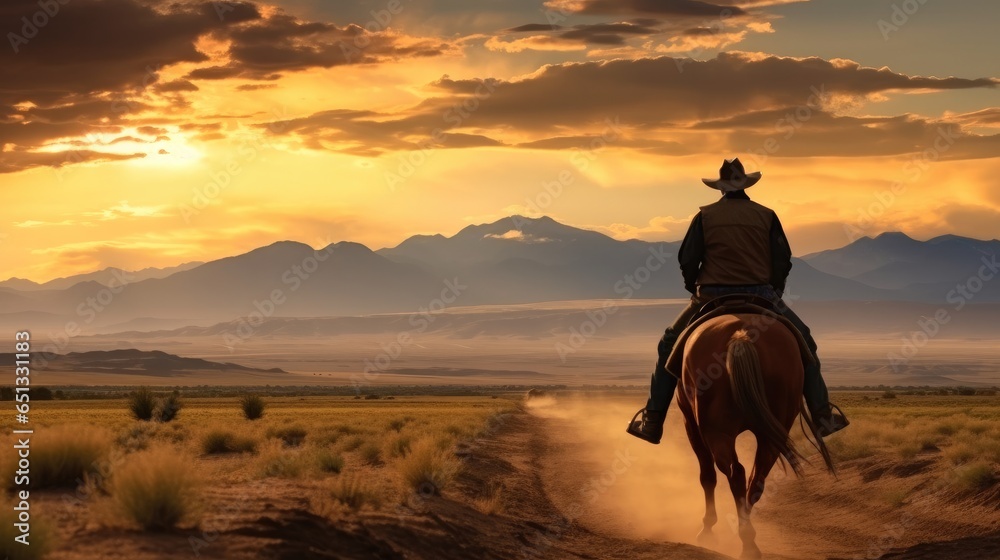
<point x="139" y="134"/>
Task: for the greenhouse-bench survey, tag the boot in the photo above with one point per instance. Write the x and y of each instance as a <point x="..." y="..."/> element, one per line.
<point x="818" y="400"/>
<point x="650" y="427"/>
<point x="827" y="421"/>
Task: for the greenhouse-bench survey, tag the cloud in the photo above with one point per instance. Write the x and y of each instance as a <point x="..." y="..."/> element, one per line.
<point x="264" y="49"/>
<point x="664" y="105"/>
<point x="676" y="8"/>
<point x="659" y="228"/>
<point x="125" y="210"/>
<point x="96" y="66"/>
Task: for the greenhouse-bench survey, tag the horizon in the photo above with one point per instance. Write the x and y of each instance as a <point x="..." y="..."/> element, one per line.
<point x="318" y="247"/>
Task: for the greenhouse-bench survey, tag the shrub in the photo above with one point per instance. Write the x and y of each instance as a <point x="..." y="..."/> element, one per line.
<point x="370" y="454"/>
<point x="428" y="468"/>
<point x="156" y="489"/>
<point x="354" y="492"/>
<point x="492" y="503"/>
<point x="292" y="436"/>
<point x="888" y="395"/>
<point x="220" y="441"/>
<point x="397" y="446"/>
<point x="351" y="443"/>
<point x="397" y="424"/>
<point x="64" y="456"/>
<point x="277" y="460"/>
<point x="253" y="406"/>
<point x="136" y="437"/>
<point x="167" y="408"/>
<point x="974" y="477"/>
<point x="40" y="540"/>
<point x="141" y="403"/>
<point x="330" y="462"/>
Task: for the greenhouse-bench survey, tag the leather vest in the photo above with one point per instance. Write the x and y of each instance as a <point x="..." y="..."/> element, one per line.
<point x="737" y="243"/>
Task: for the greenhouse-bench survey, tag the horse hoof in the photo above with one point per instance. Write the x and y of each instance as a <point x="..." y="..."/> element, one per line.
<point x="706" y="537"/>
<point x="750" y="554"/>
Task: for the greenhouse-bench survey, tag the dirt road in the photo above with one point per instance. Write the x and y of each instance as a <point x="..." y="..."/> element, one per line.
<point x="631" y="489"/>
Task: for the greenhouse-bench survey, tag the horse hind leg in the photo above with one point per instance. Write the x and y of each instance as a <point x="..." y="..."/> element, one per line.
<point x="724" y="450"/>
<point x="708" y="480"/>
<point x="764" y="461"/>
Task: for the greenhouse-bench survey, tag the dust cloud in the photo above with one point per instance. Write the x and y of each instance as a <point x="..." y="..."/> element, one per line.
<point x="613" y="483"/>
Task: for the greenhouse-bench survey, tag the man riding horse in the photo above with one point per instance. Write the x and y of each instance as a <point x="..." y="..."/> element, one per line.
<point x="733" y="246"/>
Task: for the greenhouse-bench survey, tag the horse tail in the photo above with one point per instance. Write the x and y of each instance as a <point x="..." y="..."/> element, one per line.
<point x="747" y="383"/>
<point x="806" y="419"/>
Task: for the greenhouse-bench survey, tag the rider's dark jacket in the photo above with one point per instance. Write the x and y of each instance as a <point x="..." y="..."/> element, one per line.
<point x="735" y="242"/>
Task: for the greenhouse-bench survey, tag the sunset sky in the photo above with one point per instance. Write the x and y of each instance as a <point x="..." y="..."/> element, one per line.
<point x="138" y="134"/>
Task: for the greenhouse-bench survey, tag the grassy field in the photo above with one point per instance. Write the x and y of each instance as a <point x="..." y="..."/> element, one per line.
<point x="957" y="436"/>
<point x="94" y="460"/>
<point x="345" y="454"/>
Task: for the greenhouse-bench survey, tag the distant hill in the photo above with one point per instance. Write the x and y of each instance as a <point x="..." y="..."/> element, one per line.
<point x="130" y="361"/>
<point x="920" y="270"/>
<point x="509" y="261"/>
<point x="105" y="277"/>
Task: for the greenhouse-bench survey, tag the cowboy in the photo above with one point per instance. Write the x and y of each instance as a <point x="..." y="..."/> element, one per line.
<point x="733" y="246"/>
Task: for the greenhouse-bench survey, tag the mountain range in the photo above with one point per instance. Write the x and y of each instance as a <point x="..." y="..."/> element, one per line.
<point x="512" y="260"/>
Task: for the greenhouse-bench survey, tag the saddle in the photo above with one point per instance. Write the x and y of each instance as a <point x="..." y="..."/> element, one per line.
<point x="732" y="304"/>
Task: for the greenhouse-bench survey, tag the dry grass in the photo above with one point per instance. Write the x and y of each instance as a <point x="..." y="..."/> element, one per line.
<point x="292" y="436"/>
<point x="329" y="462"/>
<point x="427" y="468"/>
<point x="63" y="456"/>
<point x="396" y="446"/>
<point x="492" y="503"/>
<point x="157" y="489"/>
<point x="280" y="461"/>
<point x="974" y="477"/>
<point x="41" y="538"/>
<point x="370" y="453"/>
<point x="354" y="492"/>
<point x="167" y="408"/>
<point x="222" y="441"/>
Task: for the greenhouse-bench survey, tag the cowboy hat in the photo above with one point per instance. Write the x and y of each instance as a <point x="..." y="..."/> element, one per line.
<point x="732" y="177"/>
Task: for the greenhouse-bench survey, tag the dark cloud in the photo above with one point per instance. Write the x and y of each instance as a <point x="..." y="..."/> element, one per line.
<point x="734" y="100"/>
<point x="11" y="162"/>
<point x="175" y="86"/>
<point x="96" y="63"/>
<point x="798" y="131"/>
<point x="264" y="49"/>
<point x="677" y="8"/>
<point x="596" y="34"/>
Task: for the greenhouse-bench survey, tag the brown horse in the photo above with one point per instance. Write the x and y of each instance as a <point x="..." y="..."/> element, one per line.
<point x="739" y="376"/>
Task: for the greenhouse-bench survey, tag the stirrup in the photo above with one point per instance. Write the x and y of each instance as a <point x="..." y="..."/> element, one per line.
<point x="635" y="431"/>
